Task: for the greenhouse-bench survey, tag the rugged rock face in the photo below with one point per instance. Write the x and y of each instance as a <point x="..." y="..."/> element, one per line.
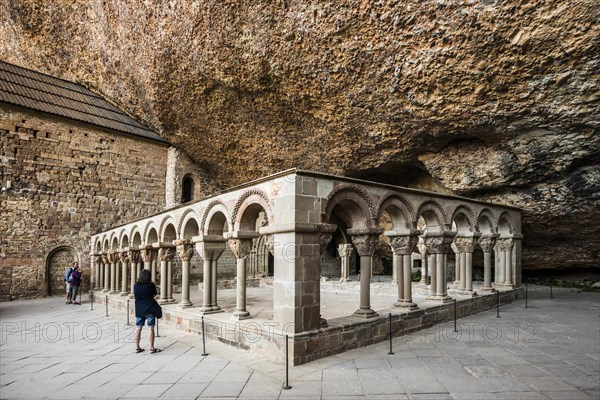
<point x="491" y="99"/>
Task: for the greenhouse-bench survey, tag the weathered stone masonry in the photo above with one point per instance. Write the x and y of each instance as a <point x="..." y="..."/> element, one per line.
<point x="64" y="181"/>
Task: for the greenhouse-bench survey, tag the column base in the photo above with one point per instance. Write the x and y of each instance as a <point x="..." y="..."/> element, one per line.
<point x="204" y="311"/>
<point x="124" y="294"/>
<point x="469" y="293"/>
<point x="131" y="296"/>
<point x="163" y="301"/>
<point x="113" y="292"/>
<point x="216" y="308"/>
<point x="365" y="313"/>
<point x="185" y="304"/>
<point x="488" y="289"/>
<point x="439" y="298"/>
<point x="345" y="280"/>
<point x="394" y="282"/>
<point x="406" y="304"/>
<point x="105" y="290"/>
<point x="456" y="282"/>
<point x="240" y="314"/>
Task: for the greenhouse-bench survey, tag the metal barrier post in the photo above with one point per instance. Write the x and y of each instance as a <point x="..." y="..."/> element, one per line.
<point x="157" y="334"/>
<point x="203" y="339"/>
<point x="286" y="386"/>
<point x="390" y="352"/>
<point x="106" y="302"/>
<point x="455" y="330"/>
<point x="91" y="299"/>
<point x="497" y="304"/>
<point x="127" y="311"/>
<point x="525" y="295"/>
<point x="551" y="292"/>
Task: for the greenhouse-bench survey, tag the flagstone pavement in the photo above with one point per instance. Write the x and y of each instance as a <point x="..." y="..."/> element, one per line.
<point x="550" y="350"/>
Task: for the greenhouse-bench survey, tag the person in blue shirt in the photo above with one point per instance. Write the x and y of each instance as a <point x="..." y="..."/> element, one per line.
<point x="75" y="283"/>
<point x="146" y="309"/>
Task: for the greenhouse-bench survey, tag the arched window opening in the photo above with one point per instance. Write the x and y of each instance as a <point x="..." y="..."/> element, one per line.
<point x="187" y="189"/>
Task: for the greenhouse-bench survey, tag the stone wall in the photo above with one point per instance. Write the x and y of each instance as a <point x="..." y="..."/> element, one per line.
<point x="67" y="182"/>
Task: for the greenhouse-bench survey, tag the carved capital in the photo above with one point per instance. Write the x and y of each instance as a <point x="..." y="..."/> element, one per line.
<point x="465" y="244"/>
<point x="325" y="235"/>
<point x="185" y="251"/>
<point x="365" y="240"/>
<point x="240" y="247"/>
<point x="270" y="243"/>
<point x="146" y="254"/>
<point x="166" y="254"/>
<point x="105" y="259"/>
<point x="504" y="244"/>
<point x="99" y="260"/>
<point x="438" y="242"/>
<point x="134" y="256"/>
<point x="487" y="242"/>
<point x="403" y="244"/>
<point x="345" y="250"/>
<point x="124" y="256"/>
<point x="112" y="257"/>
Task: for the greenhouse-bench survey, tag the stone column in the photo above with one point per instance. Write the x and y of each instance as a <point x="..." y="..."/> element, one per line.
<point x="165" y="254"/>
<point x="438" y="244"/>
<point x="345" y="251"/>
<point x="498" y="265"/>
<point x="505" y="245"/>
<point x="99" y="266"/>
<point x="403" y="246"/>
<point x="241" y="248"/>
<point x="365" y="240"/>
<point x="456" y="264"/>
<point x="517" y="278"/>
<point x="465" y="245"/>
<point x="424" y="264"/>
<point x="153" y="268"/>
<point x="113" y="272"/>
<point x="106" y="274"/>
<point x="170" y="279"/>
<point x="124" y="256"/>
<point x="134" y="257"/>
<point x="210" y="247"/>
<point x="185" y="250"/>
<point x="487" y="242"/>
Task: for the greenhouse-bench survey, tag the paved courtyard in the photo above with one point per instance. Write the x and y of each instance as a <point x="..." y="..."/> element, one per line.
<point x="551" y="350"/>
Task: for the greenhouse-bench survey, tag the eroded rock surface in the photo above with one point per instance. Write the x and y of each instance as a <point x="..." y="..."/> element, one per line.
<point x="497" y="100"/>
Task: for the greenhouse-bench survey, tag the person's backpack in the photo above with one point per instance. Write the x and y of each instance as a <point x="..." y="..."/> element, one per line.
<point x="68" y="277"/>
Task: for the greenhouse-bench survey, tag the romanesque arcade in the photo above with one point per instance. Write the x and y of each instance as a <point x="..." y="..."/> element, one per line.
<point x="297" y="213"/>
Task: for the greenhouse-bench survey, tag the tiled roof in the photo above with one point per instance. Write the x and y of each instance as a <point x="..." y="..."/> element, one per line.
<point x="30" y="89"/>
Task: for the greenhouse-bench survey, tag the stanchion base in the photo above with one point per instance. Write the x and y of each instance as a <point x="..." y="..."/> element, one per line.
<point x="286" y="387"/>
<point x="391" y="353"/>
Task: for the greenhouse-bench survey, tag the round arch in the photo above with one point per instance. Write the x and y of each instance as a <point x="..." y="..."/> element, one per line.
<point x="352" y="205"/>
<point x="485" y="221"/>
<point x="247" y="207"/>
<point x="399" y="210"/>
<point x="214" y="219"/>
<point x="434" y="216"/>
<point x="57" y="260"/>
<point x="504" y="226"/>
<point x="464" y="219"/>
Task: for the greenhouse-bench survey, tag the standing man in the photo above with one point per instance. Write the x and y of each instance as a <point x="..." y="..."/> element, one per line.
<point x="75" y="283"/>
<point x="68" y="280"/>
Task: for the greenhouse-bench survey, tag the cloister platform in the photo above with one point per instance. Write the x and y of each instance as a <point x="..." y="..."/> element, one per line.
<point x="342" y="331"/>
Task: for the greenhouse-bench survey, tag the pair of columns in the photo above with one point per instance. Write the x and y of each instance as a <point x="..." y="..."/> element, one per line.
<point x="403" y="246"/>
<point x="212" y="247"/>
<point x="507" y="269"/>
<point x="463" y="246"/>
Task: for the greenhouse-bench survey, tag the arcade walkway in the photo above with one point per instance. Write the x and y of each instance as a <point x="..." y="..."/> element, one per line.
<point x="549" y="351"/>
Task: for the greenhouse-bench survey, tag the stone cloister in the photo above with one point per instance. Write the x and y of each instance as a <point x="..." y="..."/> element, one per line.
<point x="296" y="213"/>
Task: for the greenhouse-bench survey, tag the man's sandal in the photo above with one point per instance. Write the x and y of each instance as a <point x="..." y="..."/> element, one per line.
<point x="154" y="351"/>
<point x="139" y="350"/>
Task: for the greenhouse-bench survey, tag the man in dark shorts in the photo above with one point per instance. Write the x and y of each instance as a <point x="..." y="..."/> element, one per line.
<point x="146" y="309"/>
